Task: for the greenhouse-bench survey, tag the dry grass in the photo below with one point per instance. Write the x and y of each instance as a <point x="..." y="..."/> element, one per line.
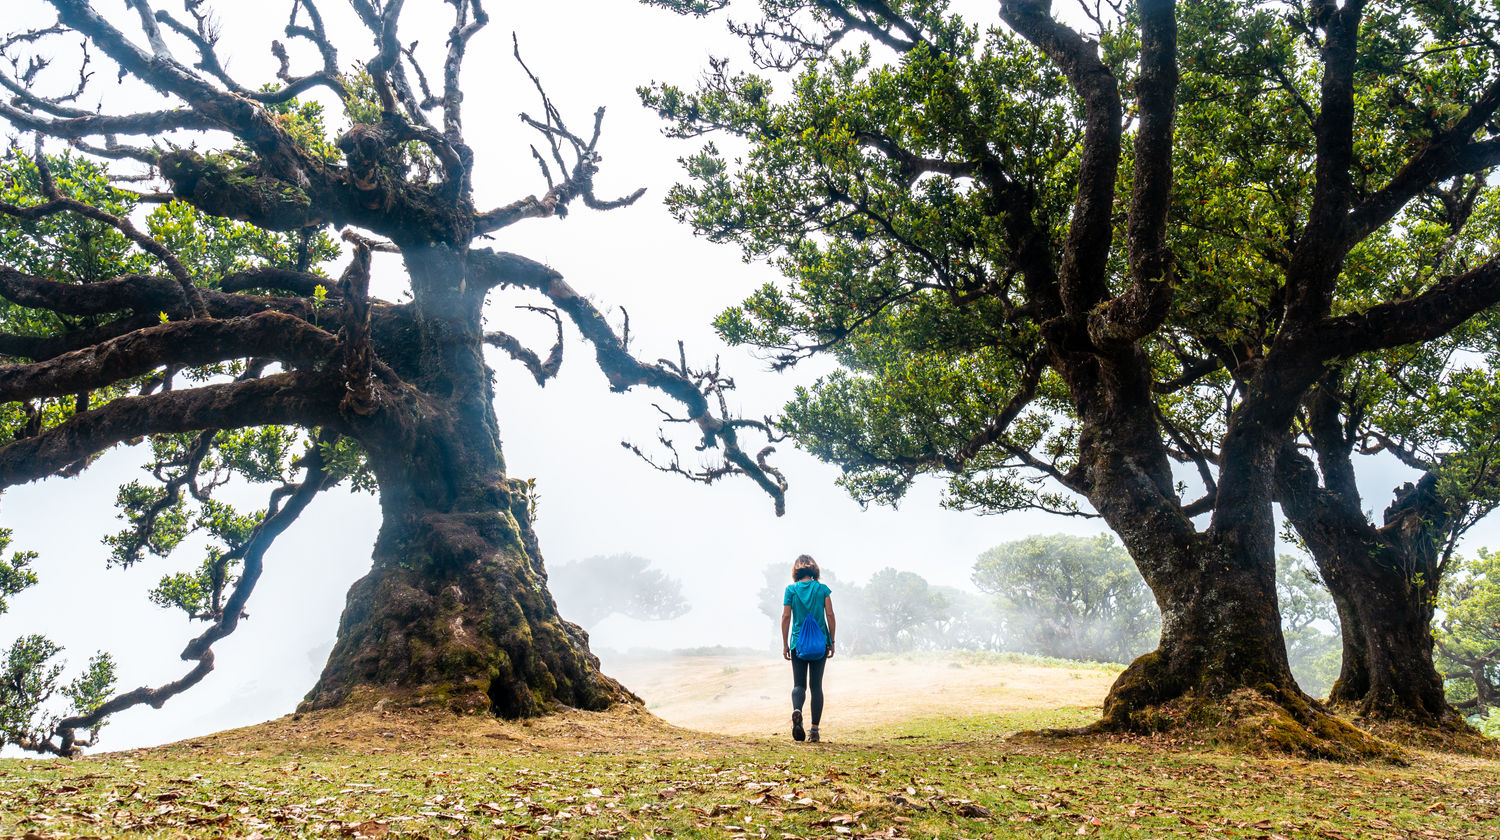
<point x="740" y="694"/>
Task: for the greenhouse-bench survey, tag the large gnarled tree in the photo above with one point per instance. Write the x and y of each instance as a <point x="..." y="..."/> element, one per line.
<point x="1044" y="251"/>
<point x="209" y="328"/>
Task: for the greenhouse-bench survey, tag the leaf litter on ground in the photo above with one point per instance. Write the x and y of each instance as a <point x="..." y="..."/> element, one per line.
<point x="626" y="774"/>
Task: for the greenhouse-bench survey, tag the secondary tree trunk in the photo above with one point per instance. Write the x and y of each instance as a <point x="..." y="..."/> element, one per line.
<point x="1388" y="670"/>
<point x="1384" y="580"/>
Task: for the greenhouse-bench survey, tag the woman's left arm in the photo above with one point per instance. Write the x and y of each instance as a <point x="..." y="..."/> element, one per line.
<point x="832" y="622"/>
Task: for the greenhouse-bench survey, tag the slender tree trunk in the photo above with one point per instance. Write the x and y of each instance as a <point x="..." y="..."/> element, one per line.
<point x="1384" y="580"/>
<point x="455" y="607"/>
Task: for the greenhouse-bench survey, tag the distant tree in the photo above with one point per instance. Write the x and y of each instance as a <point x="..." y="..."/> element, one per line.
<point x="973" y="623"/>
<point x="594" y="588"/>
<point x="1310" y="623"/>
<point x="898" y="603"/>
<point x="1468" y="637"/>
<point x="1070" y="597"/>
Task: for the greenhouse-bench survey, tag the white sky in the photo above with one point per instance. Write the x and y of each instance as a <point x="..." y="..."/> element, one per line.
<point x="596" y="498"/>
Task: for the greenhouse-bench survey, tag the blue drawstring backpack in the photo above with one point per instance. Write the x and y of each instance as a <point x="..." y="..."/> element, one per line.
<point x="810" y="638"/>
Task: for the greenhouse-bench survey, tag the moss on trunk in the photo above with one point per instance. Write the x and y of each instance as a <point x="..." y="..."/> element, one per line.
<point x="456" y="611"/>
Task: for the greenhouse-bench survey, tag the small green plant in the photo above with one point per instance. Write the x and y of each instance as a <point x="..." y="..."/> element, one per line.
<point x="1490" y="724"/>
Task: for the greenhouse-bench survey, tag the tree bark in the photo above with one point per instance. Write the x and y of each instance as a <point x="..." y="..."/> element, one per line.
<point x="1388" y="671"/>
<point x="1221" y="627"/>
<point x="1384" y="580"/>
<point x="455" y="608"/>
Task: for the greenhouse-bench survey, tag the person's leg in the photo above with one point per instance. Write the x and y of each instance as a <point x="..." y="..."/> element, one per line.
<point x="799" y="694"/>
<point x="799" y="681"/>
<point x="815" y="683"/>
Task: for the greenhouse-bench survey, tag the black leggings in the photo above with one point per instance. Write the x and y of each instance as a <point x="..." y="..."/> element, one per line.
<point x="801" y="668"/>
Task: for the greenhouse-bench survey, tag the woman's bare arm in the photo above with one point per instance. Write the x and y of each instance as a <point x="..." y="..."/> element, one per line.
<point x="832" y="622"/>
<point x="786" y="627"/>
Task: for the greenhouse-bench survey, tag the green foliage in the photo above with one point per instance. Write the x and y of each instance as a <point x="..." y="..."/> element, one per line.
<point x="211" y="246"/>
<point x="1468" y="632"/>
<point x="870" y="184"/>
<point x="1070" y="597"/>
<point x="64" y="246"/>
<point x="361" y="102"/>
<point x="344" y="460"/>
<point x="26" y="684"/>
<point x="1310" y="625"/>
<point x="592" y="589"/>
<point x="28" y="681"/>
<point x="15" y="574"/>
<point x="1490" y="724"/>
<point x="305" y="123"/>
<point x="89" y="690"/>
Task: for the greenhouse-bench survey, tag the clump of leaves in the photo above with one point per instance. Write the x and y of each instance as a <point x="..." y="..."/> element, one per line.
<point x="29" y="681"/>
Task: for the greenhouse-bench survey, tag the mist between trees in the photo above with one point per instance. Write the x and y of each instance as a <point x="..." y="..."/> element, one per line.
<point x="1059" y="596"/>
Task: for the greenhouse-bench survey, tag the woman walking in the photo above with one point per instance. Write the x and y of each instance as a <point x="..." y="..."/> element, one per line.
<point x="808" y="607"/>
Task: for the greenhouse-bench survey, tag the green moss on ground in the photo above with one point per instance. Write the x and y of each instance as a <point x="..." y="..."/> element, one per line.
<point x="623" y="773"/>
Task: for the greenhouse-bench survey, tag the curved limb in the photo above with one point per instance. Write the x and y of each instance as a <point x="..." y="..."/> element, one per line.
<point x="276" y="521"/>
<point x="623" y="371"/>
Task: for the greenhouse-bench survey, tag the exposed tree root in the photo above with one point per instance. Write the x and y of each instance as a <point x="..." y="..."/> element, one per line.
<point x="1262" y="721"/>
<point x="1453" y="735"/>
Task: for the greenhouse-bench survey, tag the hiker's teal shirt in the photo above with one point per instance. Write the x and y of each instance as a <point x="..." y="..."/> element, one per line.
<point x="806" y="597"/>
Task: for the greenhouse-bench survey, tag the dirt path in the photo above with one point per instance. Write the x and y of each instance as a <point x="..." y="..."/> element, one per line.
<point x="750" y="695"/>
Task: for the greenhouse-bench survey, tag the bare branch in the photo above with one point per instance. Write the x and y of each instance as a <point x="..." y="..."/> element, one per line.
<point x="577" y="179"/>
<point x="624" y="371"/>
<point x="540" y="370"/>
<point x="275" y="522"/>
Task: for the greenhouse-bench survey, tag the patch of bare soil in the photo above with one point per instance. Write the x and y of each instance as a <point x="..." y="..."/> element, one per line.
<point x="751" y="695"/>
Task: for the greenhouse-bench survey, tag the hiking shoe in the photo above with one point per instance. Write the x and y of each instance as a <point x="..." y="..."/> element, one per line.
<point x="812" y="735"/>
<point x="797" y="733"/>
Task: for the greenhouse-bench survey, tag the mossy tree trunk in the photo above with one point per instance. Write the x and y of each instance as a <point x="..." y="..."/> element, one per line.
<point x="456" y="610"/>
<point x="1384" y="580"/>
<point x="1221" y="628"/>
<point x="455" y="607"/>
<point x="1386" y="616"/>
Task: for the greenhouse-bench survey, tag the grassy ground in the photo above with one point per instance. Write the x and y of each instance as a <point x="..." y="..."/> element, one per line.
<point x="628" y="774"/>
